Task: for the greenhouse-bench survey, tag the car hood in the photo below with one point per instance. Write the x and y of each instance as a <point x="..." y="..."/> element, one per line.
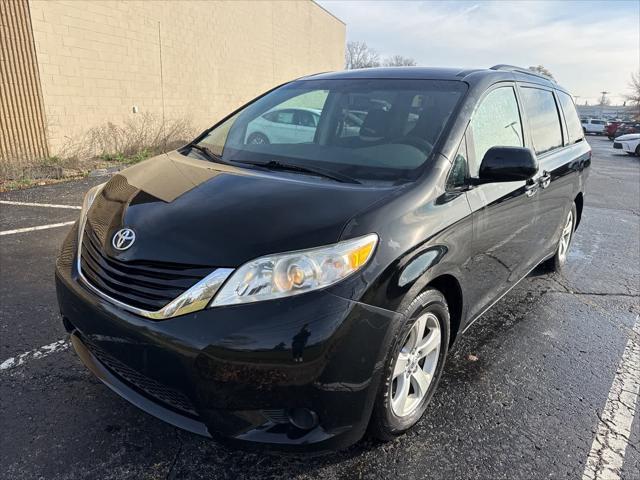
<point x="189" y="211"/>
<point x="629" y="136"/>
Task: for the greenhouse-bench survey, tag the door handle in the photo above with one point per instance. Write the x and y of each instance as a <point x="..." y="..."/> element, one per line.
<point x="545" y="180"/>
<point x="530" y="188"/>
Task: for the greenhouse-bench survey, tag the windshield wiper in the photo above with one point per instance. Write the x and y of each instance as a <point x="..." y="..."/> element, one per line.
<point x="278" y="165"/>
<point x="209" y="153"/>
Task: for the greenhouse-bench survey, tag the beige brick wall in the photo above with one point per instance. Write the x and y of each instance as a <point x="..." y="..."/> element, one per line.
<point x="22" y="133"/>
<point x="97" y="59"/>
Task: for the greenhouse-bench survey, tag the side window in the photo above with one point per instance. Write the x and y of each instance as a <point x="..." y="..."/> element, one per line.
<point x="305" y="118"/>
<point x="285" y="116"/>
<point x="574" y="127"/>
<point x="271" y="116"/>
<point x="544" y="121"/>
<point x="458" y="172"/>
<point x="496" y="122"/>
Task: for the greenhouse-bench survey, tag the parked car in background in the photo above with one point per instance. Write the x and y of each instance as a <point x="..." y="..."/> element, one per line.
<point x="295" y="293"/>
<point x="284" y="125"/>
<point x="629" y="143"/>
<point x="627" y="128"/>
<point x="594" y="125"/>
<point x="611" y="127"/>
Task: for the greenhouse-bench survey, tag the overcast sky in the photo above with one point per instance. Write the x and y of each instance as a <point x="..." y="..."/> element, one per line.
<point x="589" y="46"/>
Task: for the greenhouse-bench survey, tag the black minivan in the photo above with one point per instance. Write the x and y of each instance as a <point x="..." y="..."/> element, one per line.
<point x="297" y="274"/>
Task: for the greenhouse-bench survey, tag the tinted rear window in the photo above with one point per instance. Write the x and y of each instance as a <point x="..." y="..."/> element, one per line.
<point x="544" y="122"/>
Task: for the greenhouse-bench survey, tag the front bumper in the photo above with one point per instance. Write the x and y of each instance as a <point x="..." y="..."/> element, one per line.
<point x="235" y="372"/>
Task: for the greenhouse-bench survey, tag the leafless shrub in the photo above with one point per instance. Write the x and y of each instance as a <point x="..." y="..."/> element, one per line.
<point x="136" y="139"/>
<point x="143" y="136"/>
<point x="25" y="168"/>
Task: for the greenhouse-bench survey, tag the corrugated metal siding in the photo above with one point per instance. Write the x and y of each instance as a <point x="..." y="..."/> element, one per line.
<point x="22" y="126"/>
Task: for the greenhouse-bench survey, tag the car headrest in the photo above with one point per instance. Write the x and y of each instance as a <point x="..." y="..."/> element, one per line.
<point x="375" y="124"/>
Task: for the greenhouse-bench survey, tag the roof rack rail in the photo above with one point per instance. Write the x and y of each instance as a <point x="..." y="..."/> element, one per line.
<point x="526" y="71"/>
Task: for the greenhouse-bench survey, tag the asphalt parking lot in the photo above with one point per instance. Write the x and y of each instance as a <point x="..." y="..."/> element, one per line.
<point x="543" y="385"/>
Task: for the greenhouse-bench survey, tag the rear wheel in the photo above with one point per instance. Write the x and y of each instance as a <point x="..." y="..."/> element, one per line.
<point x="413" y="366"/>
<point x="555" y="263"/>
<point x="638" y="150"/>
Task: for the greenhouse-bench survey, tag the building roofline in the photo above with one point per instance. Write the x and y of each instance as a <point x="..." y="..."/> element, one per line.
<point x="327" y="11"/>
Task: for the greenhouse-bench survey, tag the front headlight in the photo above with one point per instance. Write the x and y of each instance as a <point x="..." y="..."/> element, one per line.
<point x="89" y="197"/>
<point x="292" y="273"/>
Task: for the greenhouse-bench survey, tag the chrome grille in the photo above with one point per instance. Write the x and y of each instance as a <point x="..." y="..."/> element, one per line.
<point x="141" y="284"/>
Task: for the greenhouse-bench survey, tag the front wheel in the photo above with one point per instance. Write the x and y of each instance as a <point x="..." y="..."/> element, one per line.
<point x="413" y="366"/>
<point x="257" y="138"/>
<point x="555" y="263"/>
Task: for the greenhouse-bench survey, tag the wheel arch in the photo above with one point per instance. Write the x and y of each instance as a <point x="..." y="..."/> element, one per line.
<point x="449" y="286"/>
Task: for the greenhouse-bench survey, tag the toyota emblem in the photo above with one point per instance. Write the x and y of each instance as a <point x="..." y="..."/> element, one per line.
<point x="123" y="239"/>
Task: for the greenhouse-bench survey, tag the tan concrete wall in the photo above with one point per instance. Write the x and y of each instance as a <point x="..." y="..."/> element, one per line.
<point x="22" y="133"/>
<point x="98" y="59"/>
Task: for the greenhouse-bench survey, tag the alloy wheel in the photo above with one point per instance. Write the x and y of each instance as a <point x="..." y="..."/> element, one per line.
<point x="257" y="140"/>
<point x="415" y="365"/>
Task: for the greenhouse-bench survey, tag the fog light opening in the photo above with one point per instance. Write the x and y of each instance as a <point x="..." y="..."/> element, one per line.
<point x="303" y="418"/>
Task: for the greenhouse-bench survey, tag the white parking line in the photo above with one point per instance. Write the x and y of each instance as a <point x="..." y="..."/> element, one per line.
<point x="39" y="227"/>
<point x="607" y="451"/>
<point x="30" y="204"/>
<point x="41" y="352"/>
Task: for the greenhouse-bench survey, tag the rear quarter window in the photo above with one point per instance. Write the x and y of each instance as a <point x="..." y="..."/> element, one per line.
<point x="574" y="127"/>
<point x="544" y="121"/>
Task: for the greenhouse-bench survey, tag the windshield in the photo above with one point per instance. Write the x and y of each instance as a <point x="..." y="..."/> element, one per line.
<point x="369" y="130"/>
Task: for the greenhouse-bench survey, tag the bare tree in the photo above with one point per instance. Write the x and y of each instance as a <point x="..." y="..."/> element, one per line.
<point x="634" y="96"/>
<point x="399" y="61"/>
<point x="543" y="70"/>
<point x="359" y="55"/>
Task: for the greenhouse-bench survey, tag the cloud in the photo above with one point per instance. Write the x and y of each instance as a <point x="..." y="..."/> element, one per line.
<point x="588" y="46"/>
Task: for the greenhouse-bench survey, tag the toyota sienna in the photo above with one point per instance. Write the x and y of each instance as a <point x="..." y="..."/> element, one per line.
<point x="296" y="275"/>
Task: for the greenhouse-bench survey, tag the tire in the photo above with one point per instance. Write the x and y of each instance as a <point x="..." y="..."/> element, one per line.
<point x="429" y="308"/>
<point x="638" y="150"/>
<point x="559" y="259"/>
<point x="257" y="138"/>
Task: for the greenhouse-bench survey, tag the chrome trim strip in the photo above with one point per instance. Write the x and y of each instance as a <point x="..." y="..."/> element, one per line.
<point x="195" y="298"/>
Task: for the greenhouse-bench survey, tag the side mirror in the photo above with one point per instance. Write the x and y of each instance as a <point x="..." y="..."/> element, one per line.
<point x="508" y="164"/>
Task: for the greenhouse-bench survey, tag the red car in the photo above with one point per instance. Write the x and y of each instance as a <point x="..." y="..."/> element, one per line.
<point x="610" y="129"/>
<point x="627" y="128"/>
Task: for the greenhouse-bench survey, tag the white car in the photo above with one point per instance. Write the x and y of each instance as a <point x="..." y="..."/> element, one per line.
<point x="593" y="125"/>
<point x="629" y="143"/>
<point x="284" y="125"/>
